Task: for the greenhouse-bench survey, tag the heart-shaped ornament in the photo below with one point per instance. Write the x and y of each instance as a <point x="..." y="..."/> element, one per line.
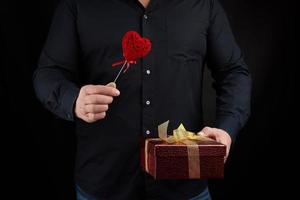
<point x="134" y="46"/>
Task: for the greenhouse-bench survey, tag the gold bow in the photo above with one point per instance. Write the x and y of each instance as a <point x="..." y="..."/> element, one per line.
<point x="180" y="135"/>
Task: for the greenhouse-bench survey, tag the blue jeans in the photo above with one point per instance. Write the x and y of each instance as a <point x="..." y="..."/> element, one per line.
<point x="202" y="196"/>
<point x="81" y="195"/>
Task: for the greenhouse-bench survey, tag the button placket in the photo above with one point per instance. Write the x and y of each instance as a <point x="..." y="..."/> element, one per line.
<point x="147" y="83"/>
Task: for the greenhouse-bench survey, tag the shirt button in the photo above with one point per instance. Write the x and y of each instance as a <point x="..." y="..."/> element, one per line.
<point x="148" y="71"/>
<point x="145" y="16"/>
<point x="148" y="103"/>
<point x="147" y="132"/>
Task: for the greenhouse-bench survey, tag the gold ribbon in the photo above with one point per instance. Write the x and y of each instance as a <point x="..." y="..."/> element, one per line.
<point x="180" y="135"/>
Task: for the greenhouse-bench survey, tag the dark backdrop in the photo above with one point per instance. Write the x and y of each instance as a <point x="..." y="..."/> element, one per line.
<point x="39" y="148"/>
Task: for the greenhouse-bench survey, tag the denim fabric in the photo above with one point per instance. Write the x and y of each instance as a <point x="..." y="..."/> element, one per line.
<point x="81" y="195"/>
<point x="205" y="195"/>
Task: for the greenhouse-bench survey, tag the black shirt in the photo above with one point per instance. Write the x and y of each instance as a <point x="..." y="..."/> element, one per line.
<point x="85" y="40"/>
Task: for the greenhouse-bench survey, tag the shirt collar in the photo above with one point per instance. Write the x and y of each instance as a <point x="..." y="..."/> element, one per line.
<point x="153" y="4"/>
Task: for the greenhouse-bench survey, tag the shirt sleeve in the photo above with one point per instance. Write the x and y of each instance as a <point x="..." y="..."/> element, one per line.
<point x="55" y="79"/>
<point x="232" y="79"/>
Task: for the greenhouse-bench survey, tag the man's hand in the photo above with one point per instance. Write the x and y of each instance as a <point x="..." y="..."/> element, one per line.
<point x="219" y="135"/>
<point x="93" y="100"/>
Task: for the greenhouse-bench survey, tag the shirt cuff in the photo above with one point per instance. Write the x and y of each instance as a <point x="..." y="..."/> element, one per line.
<point x="68" y="102"/>
<point x="228" y="123"/>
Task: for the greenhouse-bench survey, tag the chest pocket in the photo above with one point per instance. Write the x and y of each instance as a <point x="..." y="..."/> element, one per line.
<point x="187" y="35"/>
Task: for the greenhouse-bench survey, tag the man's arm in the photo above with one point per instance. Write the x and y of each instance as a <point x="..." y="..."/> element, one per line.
<point x="56" y="79"/>
<point x="232" y="80"/>
<point x="56" y="76"/>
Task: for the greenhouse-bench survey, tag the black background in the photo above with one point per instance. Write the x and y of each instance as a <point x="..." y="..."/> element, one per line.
<point x="39" y="149"/>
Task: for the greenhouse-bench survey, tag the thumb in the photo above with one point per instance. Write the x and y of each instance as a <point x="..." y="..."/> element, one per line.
<point x="207" y="132"/>
<point x="202" y="133"/>
<point x="112" y="84"/>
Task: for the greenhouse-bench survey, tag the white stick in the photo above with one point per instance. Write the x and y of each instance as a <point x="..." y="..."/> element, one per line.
<point x="120" y="71"/>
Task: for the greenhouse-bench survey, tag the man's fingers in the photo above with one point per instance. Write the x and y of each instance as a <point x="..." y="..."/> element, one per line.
<point x="97" y="99"/>
<point x="92" y="117"/>
<point x="219" y="135"/>
<point x="92" y="102"/>
<point x="208" y="132"/>
<point x="96" y="108"/>
<point x="101" y="89"/>
<point x="112" y="84"/>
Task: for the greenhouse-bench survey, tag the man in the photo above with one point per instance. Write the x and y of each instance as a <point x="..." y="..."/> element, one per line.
<point x="74" y="77"/>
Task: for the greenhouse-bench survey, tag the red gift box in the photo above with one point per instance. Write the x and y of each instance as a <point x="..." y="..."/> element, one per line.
<point x="196" y="159"/>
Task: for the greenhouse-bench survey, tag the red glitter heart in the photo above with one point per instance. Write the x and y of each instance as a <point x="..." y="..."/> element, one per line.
<point x="134" y="46"/>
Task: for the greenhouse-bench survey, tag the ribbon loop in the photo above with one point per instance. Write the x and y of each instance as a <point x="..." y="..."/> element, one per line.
<point x="122" y="62"/>
<point x="180" y="135"/>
